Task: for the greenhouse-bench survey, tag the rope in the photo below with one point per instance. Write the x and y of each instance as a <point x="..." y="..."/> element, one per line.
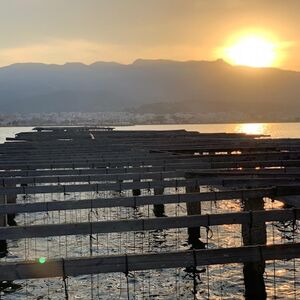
<point x="207" y="238"/>
<point x="274" y="266"/>
<point x="220" y="271"/>
<point x="294" y="260"/>
<point x="91" y="245"/>
<point x="194" y="274"/>
<point x="127" y="275"/>
<point x="209" y="232"/>
<point x="64" y="278"/>
<point x="250" y="226"/>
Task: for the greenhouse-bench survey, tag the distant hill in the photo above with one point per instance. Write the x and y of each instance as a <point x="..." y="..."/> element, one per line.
<point x="158" y="86"/>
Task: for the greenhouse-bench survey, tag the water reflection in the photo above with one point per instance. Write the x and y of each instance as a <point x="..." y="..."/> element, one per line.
<point x="252" y="128"/>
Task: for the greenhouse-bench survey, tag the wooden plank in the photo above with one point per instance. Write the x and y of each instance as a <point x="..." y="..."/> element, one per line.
<point x="286" y="171"/>
<point x="96" y="187"/>
<point x="99" y="175"/>
<point x="94" y="163"/>
<point x="42" y="156"/>
<point x="72" y="172"/>
<point x="69" y="139"/>
<point x="89" y="177"/>
<point x="19" y="232"/>
<point x="188" y="164"/>
<point x="138" y="201"/>
<point x="92" y="158"/>
<point x="103" y="162"/>
<point x="135" y="262"/>
<point x="167" y="145"/>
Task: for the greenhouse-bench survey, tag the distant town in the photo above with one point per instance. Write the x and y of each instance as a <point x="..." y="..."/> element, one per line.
<point x="130" y="118"/>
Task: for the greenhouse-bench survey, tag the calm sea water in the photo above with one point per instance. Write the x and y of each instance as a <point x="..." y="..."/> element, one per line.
<point x="218" y="282"/>
<point x="276" y="130"/>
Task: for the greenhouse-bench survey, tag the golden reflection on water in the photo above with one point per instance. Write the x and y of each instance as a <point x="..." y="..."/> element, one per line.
<point x="252" y="128"/>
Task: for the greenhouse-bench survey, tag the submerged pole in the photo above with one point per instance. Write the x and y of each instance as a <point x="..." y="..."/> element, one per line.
<point x="3" y="243"/>
<point x="136" y="192"/>
<point x="159" y="209"/>
<point x="12" y="199"/>
<point x="254" y="233"/>
<point x="194" y="208"/>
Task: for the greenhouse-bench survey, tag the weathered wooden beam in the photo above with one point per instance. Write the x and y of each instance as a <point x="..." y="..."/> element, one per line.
<point x="72" y="172"/>
<point x="31" y="176"/>
<point x="138" y="201"/>
<point x="191" y="164"/>
<point x="96" y="175"/>
<point x="93" y="158"/>
<point x="19" y="232"/>
<point x="86" y="156"/>
<point x="96" y="187"/>
<point x="180" y="146"/>
<point x="135" y="262"/>
<point x="94" y="163"/>
<point x="92" y="177"/>
<point x="150" y="160"/>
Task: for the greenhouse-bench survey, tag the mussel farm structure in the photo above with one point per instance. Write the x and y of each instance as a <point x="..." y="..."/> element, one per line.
<point x="98" y="213"/>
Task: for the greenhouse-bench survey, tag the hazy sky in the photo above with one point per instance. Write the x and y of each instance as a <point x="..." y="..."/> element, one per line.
<point x="59" y="31"/>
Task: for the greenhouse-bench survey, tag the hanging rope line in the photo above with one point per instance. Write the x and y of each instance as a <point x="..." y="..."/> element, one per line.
<point x="64" y="278"/>
<point x="127" y="276"/>
<point x="208" y="237"/>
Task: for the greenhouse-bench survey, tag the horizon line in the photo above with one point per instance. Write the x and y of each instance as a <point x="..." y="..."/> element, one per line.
<point x="146" y="59"/>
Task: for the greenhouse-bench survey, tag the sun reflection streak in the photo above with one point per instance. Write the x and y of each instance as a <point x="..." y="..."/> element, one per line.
<point x="251" y="128"/>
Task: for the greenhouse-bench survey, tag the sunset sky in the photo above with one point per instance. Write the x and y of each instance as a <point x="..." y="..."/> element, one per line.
<point x="59" y="31"/>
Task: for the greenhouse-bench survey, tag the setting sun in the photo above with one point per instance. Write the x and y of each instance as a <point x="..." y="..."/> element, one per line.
<point x="252" y="51"/>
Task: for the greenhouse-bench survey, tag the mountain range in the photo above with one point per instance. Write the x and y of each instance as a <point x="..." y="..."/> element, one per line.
<point x="157" y="86"/>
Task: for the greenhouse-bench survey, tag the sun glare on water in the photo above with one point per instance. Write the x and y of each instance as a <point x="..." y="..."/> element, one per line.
<point x="252" y="51"/>
<point x="251" y="128"/>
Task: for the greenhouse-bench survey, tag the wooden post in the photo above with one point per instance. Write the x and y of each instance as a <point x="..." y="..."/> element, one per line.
<point x="2" y="217"/>
<point x="3" y="244"/>
<point x="136" y="192"/>
<point x="194" y="208"/>
<point x="12" y="199"/>
<point x="159" y="209"/>
<point x="254" y="233"/>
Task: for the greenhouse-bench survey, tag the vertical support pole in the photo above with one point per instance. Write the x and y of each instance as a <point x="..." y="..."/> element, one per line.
<point x="136" y="192"/>
<point x="2" y="217"/>
<point x="159" y="209"/>
<point x="254" y="233"/>
<point x="194" y="208"/>
<point x="3" y="244"/>
<point x="11" y="199"/>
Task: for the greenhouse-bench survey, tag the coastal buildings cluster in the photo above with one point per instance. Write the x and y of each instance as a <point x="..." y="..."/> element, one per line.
<point x="129" y="118"/>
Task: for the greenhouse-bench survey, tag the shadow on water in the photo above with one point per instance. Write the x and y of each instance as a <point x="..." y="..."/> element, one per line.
<point x="7" y="286"/>
<point x="192" y="272"/>
<point x="194" y="238"/>
<point x="3" y="248"/>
